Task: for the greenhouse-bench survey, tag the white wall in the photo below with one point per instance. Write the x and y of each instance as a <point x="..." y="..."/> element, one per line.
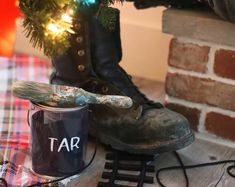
<point x="22" y="44"/>
<point x="145" y="48"/>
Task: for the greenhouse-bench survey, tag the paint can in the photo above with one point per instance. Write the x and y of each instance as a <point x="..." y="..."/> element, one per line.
<point x="58" y="139"/>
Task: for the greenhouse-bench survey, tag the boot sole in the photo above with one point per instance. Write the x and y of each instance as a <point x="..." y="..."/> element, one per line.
<point x="157" y="147"/>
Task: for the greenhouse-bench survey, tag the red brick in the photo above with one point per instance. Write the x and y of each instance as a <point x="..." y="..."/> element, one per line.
<point x="192" y="114"/>
<point x="201" y="90"/>
<point x="225" y="63"/>
<point x="188" y="56"/>
<point x="221" y="125"/>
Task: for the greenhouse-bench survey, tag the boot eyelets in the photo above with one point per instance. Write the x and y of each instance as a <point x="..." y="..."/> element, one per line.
<point x="105" y="89"/>
<point x="81" y="52"/>
<point x="79" y="39"/>
<point x="81" y="67"/>
<point x="95" y="83"/>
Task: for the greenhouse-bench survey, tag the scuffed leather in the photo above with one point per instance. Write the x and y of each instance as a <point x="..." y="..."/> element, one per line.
<point x="142" y="4"/>
<point x="224" y="8"/>
<point x="106" y="55"/>
<point x="156" y="125"/>
<point x="146" y="127"/>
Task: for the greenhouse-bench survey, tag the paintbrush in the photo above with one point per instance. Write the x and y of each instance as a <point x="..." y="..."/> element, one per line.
<point x="65" y="96"/>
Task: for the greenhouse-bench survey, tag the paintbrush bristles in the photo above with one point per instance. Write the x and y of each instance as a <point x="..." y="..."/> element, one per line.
<point x="31" y="91"/>
<point x="47" y="94"/>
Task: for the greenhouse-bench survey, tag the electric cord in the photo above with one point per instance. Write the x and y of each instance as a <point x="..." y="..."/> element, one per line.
<point x="2" y="180"/>
<point x="72" y="174"/>
<point x="182" y="166"/>
<point x="60" y="179"/>
<point x="185" y="167"/>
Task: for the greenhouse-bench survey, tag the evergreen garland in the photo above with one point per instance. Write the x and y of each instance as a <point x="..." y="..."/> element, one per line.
<point x="48" y="31"/>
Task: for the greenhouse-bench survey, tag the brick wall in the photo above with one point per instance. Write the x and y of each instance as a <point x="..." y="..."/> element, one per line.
<point x="200" y="82"/>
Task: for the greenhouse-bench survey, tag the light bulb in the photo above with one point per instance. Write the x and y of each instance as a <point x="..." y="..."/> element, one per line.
<point x="52" y="27"/>
<point x="71" y="11"/>
<point x="66" y="18"/>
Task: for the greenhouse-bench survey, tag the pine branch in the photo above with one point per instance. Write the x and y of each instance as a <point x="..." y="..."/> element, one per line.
<point x="39" y="13"/>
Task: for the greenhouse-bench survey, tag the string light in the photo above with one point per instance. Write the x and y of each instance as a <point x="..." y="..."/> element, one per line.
<point x="52" y="27"/>
<point x="71" y="11"/>
<point x="65" y="17"/>
<point x="64" y="24"/>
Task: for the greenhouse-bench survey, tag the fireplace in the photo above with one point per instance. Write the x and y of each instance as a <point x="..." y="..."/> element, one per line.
<point x="200" y="81"/>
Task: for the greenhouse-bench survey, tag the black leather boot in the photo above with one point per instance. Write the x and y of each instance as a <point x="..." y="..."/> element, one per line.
<point x="141" y="4"/>
<point x="223" y="8"/>
<point x="145" y="128"/>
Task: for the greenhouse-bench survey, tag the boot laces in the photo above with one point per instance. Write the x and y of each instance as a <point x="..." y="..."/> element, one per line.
<point x="144" y="99"/>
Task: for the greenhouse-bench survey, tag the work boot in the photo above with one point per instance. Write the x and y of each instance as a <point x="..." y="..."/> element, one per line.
<point x="142" y="4"/>
<point x="223" y="8"/>
<point x="146" y="127"/>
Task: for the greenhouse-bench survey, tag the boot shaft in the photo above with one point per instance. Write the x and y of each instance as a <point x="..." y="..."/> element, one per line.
<point x="93" y="49"/>
<point x="96" y="60"/>
<point x="105" y="44"/>
<point x="75" y="64"/>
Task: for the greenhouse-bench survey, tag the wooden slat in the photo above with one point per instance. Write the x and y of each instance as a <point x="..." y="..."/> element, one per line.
<point x="199" y="152"/>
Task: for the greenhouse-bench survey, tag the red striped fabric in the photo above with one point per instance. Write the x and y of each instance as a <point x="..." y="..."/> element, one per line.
<point x="14" y="129"/>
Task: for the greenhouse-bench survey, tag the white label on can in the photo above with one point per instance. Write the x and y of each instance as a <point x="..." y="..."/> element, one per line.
<point x="74" y="141"/>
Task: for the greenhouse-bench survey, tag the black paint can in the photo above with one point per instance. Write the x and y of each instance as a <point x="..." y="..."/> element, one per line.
<point x="58" y="139"/>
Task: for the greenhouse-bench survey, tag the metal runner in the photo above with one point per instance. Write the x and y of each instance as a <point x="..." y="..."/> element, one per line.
<point x="117" y="160"/>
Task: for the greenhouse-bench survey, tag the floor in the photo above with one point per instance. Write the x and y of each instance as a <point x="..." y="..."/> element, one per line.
<point x="199" y="152"/>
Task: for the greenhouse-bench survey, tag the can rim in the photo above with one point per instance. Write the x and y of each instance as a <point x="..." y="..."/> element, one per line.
<point x="58" y="109"/>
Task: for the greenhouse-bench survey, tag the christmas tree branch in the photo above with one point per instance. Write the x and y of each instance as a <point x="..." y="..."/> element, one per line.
<point x="49" y="25"/>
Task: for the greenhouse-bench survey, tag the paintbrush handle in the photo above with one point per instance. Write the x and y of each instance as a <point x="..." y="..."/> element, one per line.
<point x="111" y="100"/>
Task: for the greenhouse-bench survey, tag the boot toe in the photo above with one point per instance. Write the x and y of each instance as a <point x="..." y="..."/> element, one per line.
<point x="158" y="130"/>
<point x="166" y="124"/>
<point x="166" y="130"/>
